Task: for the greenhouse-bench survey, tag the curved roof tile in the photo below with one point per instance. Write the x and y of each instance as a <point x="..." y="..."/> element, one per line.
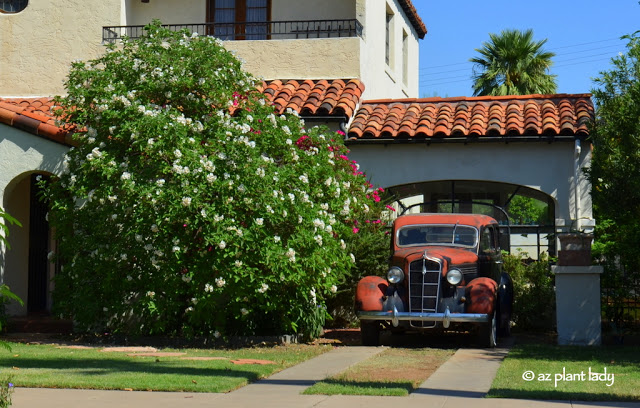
<point x="33" y="115"/>
<point x="327" y="97"/>
<point x="510" y="116"/>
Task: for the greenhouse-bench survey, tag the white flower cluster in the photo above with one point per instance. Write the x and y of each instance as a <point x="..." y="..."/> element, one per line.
<point x="291" y="254"/>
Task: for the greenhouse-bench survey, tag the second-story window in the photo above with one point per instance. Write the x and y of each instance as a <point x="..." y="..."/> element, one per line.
<point x="240" y="19"/>
<point x="405" y="58"/>
<point x="388" y="38"/>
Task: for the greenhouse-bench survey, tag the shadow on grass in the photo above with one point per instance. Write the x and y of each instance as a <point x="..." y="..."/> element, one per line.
<point x="620" y="355"/>
<point x="613" y="399"/>
<point x="342" y="387"/>
<point x="107" y="366"/>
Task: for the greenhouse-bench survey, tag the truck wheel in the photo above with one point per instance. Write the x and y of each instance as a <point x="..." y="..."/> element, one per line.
<point x="488" y="332"/>
<point x="370" y="333"/>
<point x="504" y="323"/>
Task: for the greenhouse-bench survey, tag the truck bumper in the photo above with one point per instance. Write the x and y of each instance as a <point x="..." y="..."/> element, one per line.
<point x="446" y="318"/>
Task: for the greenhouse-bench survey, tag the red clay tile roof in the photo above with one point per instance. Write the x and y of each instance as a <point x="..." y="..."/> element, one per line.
<point x="322" y="97"/>
<point x="336" y="97"/>
<point x="413" y="16"/>
<point x="33" y="115"/>
<point x="525" y="115"/>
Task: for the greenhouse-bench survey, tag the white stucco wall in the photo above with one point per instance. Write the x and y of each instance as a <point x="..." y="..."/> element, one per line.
<point x="20" y="155"/>
<point x="38" y="44"/>
<point x="384" y="81"/>
<point x="541" y="166"/>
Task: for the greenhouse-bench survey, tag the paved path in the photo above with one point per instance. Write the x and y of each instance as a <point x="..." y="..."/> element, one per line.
<point x="460" y="382"/>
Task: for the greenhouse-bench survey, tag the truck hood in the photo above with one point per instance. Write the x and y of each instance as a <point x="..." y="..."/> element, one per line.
<point x="452" y="256"/>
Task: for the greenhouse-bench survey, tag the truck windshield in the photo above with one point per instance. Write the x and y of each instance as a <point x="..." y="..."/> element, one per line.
<point x="458" y="235"/>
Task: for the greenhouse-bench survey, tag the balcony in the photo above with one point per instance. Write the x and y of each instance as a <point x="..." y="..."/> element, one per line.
<point x="272" y="30"/>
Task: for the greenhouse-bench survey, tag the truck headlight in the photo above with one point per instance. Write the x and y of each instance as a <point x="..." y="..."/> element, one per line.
<point x="395" y="275"/>
<point x="454" y="276"/>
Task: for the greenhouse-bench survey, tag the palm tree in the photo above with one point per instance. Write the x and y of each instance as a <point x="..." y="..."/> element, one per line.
<point x="512" y="63"/>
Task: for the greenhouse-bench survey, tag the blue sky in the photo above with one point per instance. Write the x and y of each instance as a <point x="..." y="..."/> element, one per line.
<point x="584" y="34"/>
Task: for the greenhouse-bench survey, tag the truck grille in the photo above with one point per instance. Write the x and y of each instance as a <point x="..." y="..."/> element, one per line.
<point x="424" y="289"/>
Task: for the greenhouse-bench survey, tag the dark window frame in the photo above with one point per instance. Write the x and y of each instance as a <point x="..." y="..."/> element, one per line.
<point x="241" y="8"/>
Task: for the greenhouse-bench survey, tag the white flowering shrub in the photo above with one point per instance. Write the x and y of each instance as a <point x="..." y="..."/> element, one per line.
<point x="189" y="207"/>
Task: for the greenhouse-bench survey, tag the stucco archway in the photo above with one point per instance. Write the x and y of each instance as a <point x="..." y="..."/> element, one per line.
<point x="25" y="266"/>
<point x="530" y="213"/>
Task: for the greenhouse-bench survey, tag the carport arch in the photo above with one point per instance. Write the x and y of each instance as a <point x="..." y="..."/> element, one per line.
<point x="531" y="233"/>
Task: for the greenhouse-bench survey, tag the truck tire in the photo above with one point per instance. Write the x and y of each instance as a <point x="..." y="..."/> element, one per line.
<point x="487" y="335"/>
<point x="370" y="333"/>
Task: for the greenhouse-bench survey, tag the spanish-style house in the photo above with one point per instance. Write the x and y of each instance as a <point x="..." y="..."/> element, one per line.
<point x="350" y="64"/>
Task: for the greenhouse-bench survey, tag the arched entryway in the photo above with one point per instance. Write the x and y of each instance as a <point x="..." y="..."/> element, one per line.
<point x="530" y="213"/>
<point x="27" y="269"/>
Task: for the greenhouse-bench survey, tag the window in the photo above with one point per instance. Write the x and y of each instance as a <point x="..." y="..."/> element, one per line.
<point x="388" y="38"/>
<point x="487" y="243"/>
<point x="405" y="58"/>
<point x="239" y="19"/>
<point x="13" y="6"/>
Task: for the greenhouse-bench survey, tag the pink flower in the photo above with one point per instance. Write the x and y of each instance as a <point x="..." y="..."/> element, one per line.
<point x="340" y="132"/>
<point x="355" y="230"/>
<point x="390" y="207"/>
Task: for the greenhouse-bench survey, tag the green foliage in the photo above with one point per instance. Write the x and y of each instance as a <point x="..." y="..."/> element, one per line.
<point x="371" y="249"/>
<point x="526" y="211"/>
<point x="534" y="295"/>
<point x="615" y="178"/>
<point x="6" y="389"/>
<point x="189" y="207"/>
<point x="4" y="228"/>
<point x="512" y="63"/>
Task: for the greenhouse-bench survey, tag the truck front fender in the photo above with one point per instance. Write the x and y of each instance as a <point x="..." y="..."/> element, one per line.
<point x="370" y="293"/>
<point x="481" y="294"/>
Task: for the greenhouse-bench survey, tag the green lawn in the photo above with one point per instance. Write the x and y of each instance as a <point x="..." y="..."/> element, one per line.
<point x="55" y="367"/>
<point x="563" y="373"/>
<point x="394" y="372"/>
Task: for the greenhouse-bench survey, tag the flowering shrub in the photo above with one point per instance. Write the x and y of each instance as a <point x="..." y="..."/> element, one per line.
<point x="189" y="206"/>
<point x="6" y="389"/>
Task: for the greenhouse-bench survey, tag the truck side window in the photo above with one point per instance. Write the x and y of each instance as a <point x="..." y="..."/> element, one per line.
<point x="489" y="240"/>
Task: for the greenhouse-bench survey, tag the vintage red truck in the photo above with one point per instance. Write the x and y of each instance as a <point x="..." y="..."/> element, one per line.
<point x="445" y="274"/>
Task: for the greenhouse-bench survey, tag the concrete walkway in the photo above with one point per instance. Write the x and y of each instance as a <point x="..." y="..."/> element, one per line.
<point x="460" y="382"/>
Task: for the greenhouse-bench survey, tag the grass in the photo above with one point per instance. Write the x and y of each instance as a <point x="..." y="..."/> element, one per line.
<point x="394" y="372"/>
<point x="53" y="366"/>
<point x="549" y="362"/>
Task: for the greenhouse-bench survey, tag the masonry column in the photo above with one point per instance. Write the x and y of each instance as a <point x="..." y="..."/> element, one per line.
<point x="577" y="293"/>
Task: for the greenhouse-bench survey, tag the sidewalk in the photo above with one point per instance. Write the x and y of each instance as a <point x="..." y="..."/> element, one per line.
<point x="460" y="382"/>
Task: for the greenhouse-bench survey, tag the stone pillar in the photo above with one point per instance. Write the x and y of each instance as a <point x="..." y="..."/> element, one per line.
<point x="578" y="304"/>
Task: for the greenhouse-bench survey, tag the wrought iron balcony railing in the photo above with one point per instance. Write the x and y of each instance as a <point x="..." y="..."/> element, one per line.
<point x="271" y="30"/>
